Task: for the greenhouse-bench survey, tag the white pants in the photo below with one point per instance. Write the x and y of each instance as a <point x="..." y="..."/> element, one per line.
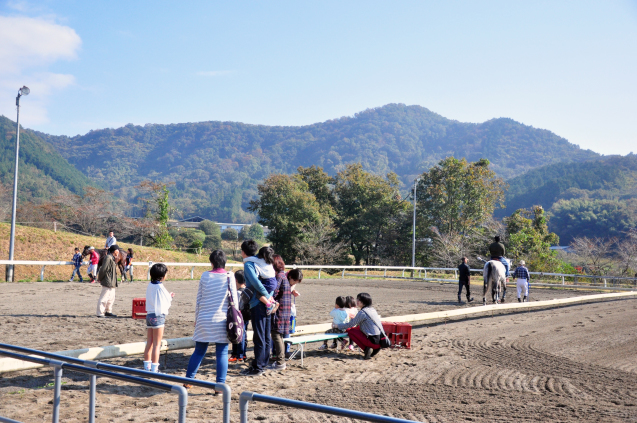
<point x="523" y="286"/>
<point x="105" y="303"/>
<point x="92" y="269"/>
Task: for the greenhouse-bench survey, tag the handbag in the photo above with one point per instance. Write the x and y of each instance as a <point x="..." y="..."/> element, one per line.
<point x="385" y="342"/>
<point x="234" y="320"/>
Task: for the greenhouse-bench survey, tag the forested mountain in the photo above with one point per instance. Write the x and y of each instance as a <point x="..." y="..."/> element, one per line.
<point x="216" y="165"/>
<point x="44" y="173"/>
<point x="592" y="198"/>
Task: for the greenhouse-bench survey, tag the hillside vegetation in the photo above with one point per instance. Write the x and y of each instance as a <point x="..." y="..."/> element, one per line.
<point x="43" y="244"/>
<point x="216" y="165"/>
<point x="44" y="173"/>
<point x="593" y="198"/>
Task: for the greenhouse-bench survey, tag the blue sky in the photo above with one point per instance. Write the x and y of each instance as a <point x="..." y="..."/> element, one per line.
<point x="567" y="66"/>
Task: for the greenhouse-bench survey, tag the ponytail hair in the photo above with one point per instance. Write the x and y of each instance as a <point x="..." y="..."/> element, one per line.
<point x="266" y="254"/>
<point x="279" y="264"/>
<point x="295" y="274"/>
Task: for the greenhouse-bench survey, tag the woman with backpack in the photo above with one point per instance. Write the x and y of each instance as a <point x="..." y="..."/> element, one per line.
<point x="211" y="316"/>
<point x="365" y="329"/>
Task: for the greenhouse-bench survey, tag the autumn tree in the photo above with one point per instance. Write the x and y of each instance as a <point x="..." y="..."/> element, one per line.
<point x="365" y="205"/>
<point x="456" y="195"/>
<point x="156" y="205"/>
<point x="528" y="237"/>
<point x="286" y="206"/>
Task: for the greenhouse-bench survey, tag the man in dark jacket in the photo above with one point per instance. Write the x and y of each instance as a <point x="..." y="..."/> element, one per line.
<point x="107" y="277"/>
<point x="464" y="279"/>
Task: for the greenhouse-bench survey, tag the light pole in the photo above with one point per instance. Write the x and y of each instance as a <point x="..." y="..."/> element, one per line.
<point x="413" y="234"/>
<point x="22" y="91"/>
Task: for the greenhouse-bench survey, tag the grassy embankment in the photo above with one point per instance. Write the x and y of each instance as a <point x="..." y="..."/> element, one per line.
<point x="47" y="245"/>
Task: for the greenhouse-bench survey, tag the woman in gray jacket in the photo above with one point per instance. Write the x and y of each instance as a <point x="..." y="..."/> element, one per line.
<point x="364" y="328"/>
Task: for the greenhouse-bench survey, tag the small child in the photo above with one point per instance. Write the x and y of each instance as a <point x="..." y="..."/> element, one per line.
<point x="244" y="294"/>
<point x="265" y="271"/>
<point x="158" y="301"/>
<point x="339" y="315"/>
<point x="77" y="263"/>
<point x="352" y="311"/>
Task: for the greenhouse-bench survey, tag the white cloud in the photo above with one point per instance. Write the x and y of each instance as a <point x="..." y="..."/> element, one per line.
<point x="215" y="73"/>
<point x="27" y="47"/>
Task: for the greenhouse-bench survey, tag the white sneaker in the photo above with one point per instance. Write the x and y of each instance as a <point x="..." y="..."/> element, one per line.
<point x="322" y="347"/>
<point x="275" y="366"/>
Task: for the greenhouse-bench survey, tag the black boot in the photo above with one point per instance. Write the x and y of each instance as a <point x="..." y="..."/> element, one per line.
<point x="525" y="300"/>
<point x="368" y="353"/>
<point x="459" y="300"/>
<point x="519" y="300"/>
<point x="469" y="299"/>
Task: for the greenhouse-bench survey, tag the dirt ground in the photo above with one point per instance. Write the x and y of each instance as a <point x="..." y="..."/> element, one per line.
<point x="570" y="364"/>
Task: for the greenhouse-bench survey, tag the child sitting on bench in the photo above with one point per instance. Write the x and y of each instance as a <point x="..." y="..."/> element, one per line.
<point x="339" y="314"/>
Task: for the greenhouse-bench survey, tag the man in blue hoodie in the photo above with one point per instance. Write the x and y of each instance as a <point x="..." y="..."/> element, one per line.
<point x="261" y="321"/>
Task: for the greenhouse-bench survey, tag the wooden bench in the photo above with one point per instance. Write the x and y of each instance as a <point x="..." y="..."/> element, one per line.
<point x="300" y="341"/>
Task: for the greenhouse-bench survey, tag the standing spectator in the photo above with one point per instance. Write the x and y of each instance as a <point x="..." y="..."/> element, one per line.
<point x="261" y="321"/>
<point x="281" y="319"/>
<point x="523" y="278"/>
<point x="464" y="279"/>
<point x="210" y="316"/>
<point x="110" y="241"/>
<point x="129" y="263"/>
<point x="92" y="267"/>
<point x="107" y="277"/>
<point x="158" y="301"/>
<point x="244" y="294"/>
<point x="77" y="263"/>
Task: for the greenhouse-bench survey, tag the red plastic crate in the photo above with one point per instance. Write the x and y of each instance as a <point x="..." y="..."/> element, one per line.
<point x="402" y="335"/>
<point x="139" y="308"/>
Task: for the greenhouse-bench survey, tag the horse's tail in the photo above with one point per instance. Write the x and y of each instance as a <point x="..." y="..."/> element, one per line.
<point x="488" y="273"/>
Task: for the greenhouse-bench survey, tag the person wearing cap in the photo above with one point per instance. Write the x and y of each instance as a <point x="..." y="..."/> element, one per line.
<point x="92" y="267"/>
<point x="523" y="277"/>
<point x="107" y="277"/>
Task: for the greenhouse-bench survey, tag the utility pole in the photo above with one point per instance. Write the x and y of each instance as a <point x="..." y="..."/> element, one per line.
<point x="9" y="276"/>
<point x="413" y="234"/>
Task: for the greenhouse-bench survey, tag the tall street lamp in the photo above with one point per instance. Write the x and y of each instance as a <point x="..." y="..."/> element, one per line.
<point x="413" y="234"/>
<point x="22" y="91"/>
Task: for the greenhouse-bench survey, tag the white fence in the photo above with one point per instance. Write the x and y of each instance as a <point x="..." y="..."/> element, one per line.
<point x="428" y="274"/>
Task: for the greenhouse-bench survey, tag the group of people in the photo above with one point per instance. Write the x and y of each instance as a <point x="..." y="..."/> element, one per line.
<point x="497" y="252"/>
<point x="264" y="294"/>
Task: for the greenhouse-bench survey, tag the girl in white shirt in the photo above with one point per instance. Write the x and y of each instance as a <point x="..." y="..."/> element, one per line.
<point x="158" y="301"/>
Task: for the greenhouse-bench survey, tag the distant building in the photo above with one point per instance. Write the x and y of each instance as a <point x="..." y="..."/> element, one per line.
<point x="193" y="222"/>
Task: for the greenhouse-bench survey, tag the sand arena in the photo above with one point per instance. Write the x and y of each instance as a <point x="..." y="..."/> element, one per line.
<point x="570" y="364"/>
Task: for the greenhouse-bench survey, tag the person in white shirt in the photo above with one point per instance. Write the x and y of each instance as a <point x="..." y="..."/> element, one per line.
<point x="158" y="301"/>
<point x="339" y="315"/>
<point x="111" y="240"/>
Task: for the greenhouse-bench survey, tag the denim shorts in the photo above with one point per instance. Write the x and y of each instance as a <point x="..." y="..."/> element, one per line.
<point x="155" y="322"/>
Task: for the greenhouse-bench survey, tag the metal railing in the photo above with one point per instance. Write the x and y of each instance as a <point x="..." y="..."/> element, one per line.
<point x="58" y="367"/>
<point x="416" y="273"/>
<point x="246" y="397"/>
<point x="218" y="387"/>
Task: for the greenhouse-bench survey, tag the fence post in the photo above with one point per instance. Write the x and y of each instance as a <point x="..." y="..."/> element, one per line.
<point x="319" y="275"/>
<point x="343" y="274"/>
<point x="192" y="272"/>
<point x="562" y="279"/>
<point x="91" y="400"/>
<point x="150" y="264"/>
<point x="403" y="272"/>
<point x="42" y="274"/>
<point x="244" y="401"/>
<point x="455" y="274"/>
<point x="55" y="226"/>
<point x="425" y="273"/>
<point x="385" y="274"/>
<point x="57" y="373"/>
<point x="366" y="273"/>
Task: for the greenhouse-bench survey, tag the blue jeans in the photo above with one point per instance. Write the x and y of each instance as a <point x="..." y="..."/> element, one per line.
<point x="221" y="355"/>
<point x="76" y="270"/>
<point x="261" y="324"/>
<point x="239" y="350"/>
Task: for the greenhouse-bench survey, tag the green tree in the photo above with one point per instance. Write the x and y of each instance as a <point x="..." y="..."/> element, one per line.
<point x="318" y="183"/>
<point x="212" y="242"/>
<point x="209" y="228"/>
<point x="455" y="195"/>
<point x="254" y="232"/>
<point x="286" y="206"/>
<point x="157" y="206"/>
<point x="230" y="235"/>
<point x="528" y="238"/>
<point x="366" y="204"/>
